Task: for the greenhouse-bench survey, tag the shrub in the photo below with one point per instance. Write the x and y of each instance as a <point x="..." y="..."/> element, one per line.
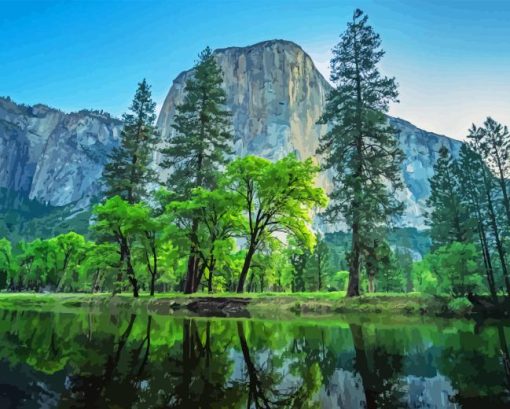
<point x="460" y="305"/>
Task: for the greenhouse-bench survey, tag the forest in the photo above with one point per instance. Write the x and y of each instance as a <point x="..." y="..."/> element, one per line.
<point x="203" y="221"/>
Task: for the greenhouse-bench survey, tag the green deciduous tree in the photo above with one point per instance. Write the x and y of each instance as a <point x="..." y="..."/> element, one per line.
<point x="318" y="267"/>
<point x="456" y="268"/>
<point x="122" y="223"/>
<point x="97" y="271"/>
<point x="6" y="262"/>
<point x="219" y="216"/>
<point x="71" y="249"/>
<point x="276" y="197"/>
<point x="360" y="146"/>
<point x="299" y="258"/>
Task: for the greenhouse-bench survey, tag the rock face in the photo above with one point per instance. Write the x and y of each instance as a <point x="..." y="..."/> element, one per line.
<point x="276" y="95"/>
<point x="51" y="156"/>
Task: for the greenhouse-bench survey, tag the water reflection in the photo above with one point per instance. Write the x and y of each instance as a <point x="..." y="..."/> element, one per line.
<point x="140" y="361"/>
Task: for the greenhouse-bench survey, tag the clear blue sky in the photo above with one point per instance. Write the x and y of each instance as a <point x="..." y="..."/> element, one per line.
<point x="451" y="58"/>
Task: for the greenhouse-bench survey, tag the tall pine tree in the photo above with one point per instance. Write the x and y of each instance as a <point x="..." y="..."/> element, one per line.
<point x="472" y="192"/>
<point x="477" y="144"/>
<point x="360" y="145"/>
<point x="200" y="145"/>
<point x="127" y="173"/>
<point x="446" y="215"/>
<point x="495" y="149"/>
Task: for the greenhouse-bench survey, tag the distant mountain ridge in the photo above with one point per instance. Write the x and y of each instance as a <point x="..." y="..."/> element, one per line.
<point x="54" y="157"/>
<point x="275" y="94"/>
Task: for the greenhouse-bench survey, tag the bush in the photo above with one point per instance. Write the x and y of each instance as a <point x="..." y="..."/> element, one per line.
<point x="339" y="281"/>
<point x="460" y="305"/>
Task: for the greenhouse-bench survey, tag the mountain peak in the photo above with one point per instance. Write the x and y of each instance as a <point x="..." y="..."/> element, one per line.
<point x="263" y="44"/>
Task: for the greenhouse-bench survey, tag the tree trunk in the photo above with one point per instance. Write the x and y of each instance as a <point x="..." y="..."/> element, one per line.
<point x="154" y="271"/>
<point x="211" y="272"/>
<point x="153" y="283"/>
<point x="353" y="287"/>
<point x="489" y="272"/>
<point x="117" y="286"/>
<point x="503" y="185"/>
<point x="246" y="267"/>
<point x="201" y="271"/>
<point x="319" y="272"/>
<point x="95" y="287"/>
<point x="190" y="283"/>
<point x="499" y="245"/>
<point x="371" y="286"/>
<point x="130" y="272"/>
<point x="250" y="283"/>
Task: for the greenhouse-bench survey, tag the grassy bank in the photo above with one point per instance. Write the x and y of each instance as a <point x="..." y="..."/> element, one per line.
<point x="269" y="305"/>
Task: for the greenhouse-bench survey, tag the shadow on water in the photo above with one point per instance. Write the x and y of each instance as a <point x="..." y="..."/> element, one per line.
<point x="143" y="361"/>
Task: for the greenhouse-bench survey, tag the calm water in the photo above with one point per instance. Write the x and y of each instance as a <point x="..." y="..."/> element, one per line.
<point x="101" y="360"/>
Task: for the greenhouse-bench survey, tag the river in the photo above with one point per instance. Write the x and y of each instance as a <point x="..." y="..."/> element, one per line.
<point x="122" y="360"/>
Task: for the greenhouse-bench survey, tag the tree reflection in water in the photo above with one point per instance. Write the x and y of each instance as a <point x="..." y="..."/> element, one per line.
<point x="143" y="361"/>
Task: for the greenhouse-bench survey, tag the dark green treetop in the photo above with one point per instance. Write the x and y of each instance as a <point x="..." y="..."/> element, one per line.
<point x="128" y="173"/>
<point x="201" y="142"/>
<point x="360" y="146"/>
<point x="446" y="216"/>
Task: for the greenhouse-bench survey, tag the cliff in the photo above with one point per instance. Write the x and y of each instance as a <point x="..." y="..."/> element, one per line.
<point x="276" y="95"/>
<point x="53" y="157"/>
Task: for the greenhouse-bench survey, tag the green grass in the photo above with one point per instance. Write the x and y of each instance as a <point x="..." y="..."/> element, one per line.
<point x="268" y="304"/>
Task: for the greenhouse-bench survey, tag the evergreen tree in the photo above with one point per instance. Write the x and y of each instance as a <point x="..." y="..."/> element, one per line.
<point x="404" y="264"/>
<point x="476" y="142"/>
<point x="319" y="263"/>
<point x="377" y="256"/>
<point x="298" y="260"/>
<point x="495" y="149"/>
<point x="446" y="215"/>
<point x="360" y="145"/>
<point x="473" y="197"/>
<point x="200" y="145"/>
<point x="128" y="174"/>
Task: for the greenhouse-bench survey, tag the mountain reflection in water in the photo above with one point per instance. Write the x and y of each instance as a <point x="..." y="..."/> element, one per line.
<point x="94" y="360"/>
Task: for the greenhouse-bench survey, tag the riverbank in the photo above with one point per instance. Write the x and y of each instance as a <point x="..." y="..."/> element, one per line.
<point x="265" y="305"/>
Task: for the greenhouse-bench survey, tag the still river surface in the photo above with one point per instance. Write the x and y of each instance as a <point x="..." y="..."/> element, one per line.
<point x="91" y="360"/>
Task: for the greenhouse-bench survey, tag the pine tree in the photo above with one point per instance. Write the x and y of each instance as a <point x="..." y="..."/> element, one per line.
<point x="200" y="145"/>
<point x="476" y="142"/>
<point x="446" y="215"/>
<point x="360" y="146"/>
<point x="319" y="262"/>
<point x="472" y="192"/>
<point x="495" y="149"/>
<point x="128" y="174"/>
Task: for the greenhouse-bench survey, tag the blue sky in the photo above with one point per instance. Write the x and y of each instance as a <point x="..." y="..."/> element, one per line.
<point x="451" y="58"/>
